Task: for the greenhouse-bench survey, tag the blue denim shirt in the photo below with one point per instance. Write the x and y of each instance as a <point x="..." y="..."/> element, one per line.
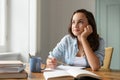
<point x="67" y="49"/>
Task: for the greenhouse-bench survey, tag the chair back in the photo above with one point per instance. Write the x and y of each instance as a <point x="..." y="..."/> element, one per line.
<point x="107" y="58"/>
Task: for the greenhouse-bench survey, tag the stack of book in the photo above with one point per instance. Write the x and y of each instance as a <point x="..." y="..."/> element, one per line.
<point x="12" y="69"/>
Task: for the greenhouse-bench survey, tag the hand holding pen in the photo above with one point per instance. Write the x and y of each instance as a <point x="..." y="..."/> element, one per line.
<point x="51" y="62"/>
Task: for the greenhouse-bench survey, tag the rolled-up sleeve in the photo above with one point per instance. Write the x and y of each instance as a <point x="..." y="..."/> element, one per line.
<point x="58" y="51"/>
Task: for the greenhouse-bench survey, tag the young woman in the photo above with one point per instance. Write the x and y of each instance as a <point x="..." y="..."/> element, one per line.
<point x="82" y="46"/>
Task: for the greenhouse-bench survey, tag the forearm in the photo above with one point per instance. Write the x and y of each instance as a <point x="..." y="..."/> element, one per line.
<point x="93" y="60"/>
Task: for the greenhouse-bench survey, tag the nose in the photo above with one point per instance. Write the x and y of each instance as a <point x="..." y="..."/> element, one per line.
<point x="76" y="25"/>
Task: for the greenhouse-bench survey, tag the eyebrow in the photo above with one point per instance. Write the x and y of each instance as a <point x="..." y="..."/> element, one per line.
<point x="79" y="20"/>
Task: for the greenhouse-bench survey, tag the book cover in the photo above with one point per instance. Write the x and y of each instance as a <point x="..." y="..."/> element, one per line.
<point x="14" y="63"/>
<point x="12" y="69"/>
<point x="69" y="73"/>
<point x="22" y="74"/>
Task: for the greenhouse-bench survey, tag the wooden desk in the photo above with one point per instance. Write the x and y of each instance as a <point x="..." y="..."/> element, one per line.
<point x="105" y="74"/>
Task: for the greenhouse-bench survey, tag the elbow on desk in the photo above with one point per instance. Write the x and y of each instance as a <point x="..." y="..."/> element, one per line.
<point x="95" y="68"/>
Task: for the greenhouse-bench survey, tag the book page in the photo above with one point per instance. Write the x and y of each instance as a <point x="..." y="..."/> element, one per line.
<point x="82" y="73"/>
<point x="12" y="69"/>
<point x="68" y="71"/>
<point x="64" y="67"/>
<point x="57" y="73"/>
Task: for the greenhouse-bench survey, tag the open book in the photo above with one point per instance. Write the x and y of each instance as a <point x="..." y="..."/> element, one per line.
<point x="69" y="73"/>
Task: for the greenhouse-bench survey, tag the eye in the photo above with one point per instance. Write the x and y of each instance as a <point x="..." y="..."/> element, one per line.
<point x="80" y="22"/>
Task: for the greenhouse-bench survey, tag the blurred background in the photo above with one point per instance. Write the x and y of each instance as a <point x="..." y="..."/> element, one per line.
<point x="36" y="26"/>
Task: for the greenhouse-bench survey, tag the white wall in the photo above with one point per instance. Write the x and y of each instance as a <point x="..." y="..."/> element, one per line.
<point x="18" y="29"/>
<point x="60" y="14"/>
<point x="53" y="18"/>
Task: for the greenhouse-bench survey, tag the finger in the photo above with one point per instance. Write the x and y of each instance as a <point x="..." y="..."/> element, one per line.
<point x="54" y="60"/>
<point x="49" y="61"/>
<point x="89" y="28"/>
<point x="85" y="29"/>
<point x="51" y="65"/>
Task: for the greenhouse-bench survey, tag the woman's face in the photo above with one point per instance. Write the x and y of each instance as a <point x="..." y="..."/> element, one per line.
<point x="79" y="22"/>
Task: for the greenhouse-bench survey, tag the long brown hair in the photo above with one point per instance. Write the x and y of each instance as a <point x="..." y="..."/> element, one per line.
<point x="93" y="38"/>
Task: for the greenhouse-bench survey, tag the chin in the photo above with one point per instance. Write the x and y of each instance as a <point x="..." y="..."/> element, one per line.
<point x="76" y="34"/>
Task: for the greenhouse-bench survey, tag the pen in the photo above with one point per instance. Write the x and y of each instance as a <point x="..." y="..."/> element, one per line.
<point x="30" y="55"/>
<point x="59" y="62"/>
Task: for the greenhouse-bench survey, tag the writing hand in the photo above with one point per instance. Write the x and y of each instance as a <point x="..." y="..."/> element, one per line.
<point x="51" y="63"/>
